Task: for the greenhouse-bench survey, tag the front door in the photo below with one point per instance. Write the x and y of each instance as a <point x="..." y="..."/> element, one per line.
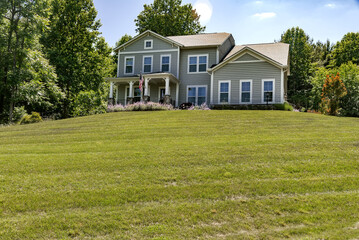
<point x="162" y="94"/>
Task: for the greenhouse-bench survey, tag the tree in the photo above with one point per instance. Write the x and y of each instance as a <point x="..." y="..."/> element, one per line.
<point x="125" y="38"/>
<point x="73" y="45"/>
<point x="21" y="23"/>
<point x="333" y="90"/>
<point x="321" y="53"/>
<point x="169" y="18"/>
<point x="300" y="52"/>
<point x="347" y="49"/>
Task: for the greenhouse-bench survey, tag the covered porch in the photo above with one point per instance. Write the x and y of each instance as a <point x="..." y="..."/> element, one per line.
<point x="157" y="87"/>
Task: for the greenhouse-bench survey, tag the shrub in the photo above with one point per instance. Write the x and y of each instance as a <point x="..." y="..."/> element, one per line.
<point x="284" y="107"/>
<point x="333" y="90"/>
<point x="203" y="106"/>
<point x="139" y="106"/>
<point x="33" y="118"/>
<point x="18" y="113"/>
<point x="89" y="103"/>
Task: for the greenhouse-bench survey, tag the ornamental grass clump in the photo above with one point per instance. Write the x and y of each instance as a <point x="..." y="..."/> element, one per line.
<point x="203" y="106"/>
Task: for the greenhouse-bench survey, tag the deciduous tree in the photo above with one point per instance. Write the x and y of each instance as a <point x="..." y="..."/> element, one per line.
<point x="169" y="18"/>
<point x="347" y="49"/>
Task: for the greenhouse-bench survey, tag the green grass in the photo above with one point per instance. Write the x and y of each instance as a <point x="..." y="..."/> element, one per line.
<point x="181" y="175"/>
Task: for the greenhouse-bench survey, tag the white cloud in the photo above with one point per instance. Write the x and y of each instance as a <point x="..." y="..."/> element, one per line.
<point x="330" y="5"/>
<point x="204" y="9"/>
<point x="265" y="15"/>
<point x="258" y="2"/>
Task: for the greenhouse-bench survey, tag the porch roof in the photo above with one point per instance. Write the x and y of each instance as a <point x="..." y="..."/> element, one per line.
<point x="149" y="76"/>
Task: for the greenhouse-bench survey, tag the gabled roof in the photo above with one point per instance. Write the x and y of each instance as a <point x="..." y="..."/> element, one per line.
<point x="145" y="33"/>
<point x="277" y="53"/>
<point x="201" y="40"/>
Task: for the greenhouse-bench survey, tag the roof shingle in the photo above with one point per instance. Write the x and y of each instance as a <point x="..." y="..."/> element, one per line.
<point x="201" y="40"/>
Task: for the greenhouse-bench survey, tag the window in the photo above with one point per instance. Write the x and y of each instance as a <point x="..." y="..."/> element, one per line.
<point x="129" y="65"/>
<point x="224" y="91"/>
<point x="147" y="64"/>
<point x="148" y="44"/>
<point x="197" y="94"/>
<point x="165" y="63"/>
<point x="267" y="90"/>
<point x="197" y="63"/>
<point x="245" y="91"/>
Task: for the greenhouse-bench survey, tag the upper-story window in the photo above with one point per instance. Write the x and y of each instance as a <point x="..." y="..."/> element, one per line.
<point x="197" y="63"/>
<point x="165" y="63"/>
<point x="148" y="44"/>
<point x="129" y="65"/>
<point x="147" y="64"/>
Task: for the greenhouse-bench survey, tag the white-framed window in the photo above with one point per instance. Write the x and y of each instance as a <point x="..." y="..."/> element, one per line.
<point x="197" y="63"/>
<point x="147" y="64"/>
<point x="197" y="94"/>
<point x="161" y="93"/>
<point x="148" y="44"/>
<point x="245" y="91"/>
<point x="165" y="63"/>
<point x="224" y="92"/>
<point x="129" y="65"/>
<point x="268" y="91"/>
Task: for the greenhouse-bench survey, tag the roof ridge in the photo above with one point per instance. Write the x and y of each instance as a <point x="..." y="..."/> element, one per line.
<point x="198" y="34"/>
<point x="250" y="44"/>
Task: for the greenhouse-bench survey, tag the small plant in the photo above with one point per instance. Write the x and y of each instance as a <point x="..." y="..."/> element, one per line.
<point x="333" y="90"/>
<point x="33" y="118"/>
<point x="19" y="113"/>
<point x="203" y="106"/>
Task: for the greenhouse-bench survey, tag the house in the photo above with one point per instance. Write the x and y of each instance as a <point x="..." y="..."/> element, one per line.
<point x="203" y="68"/>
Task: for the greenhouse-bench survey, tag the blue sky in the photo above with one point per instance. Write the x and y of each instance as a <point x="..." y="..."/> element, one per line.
<point x="250" y="21"/>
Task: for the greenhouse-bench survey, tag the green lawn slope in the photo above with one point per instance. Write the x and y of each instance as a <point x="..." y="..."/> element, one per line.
<point x="181" y="175"/>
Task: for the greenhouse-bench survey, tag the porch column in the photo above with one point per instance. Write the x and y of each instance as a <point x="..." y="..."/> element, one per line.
<point x="177" y="92"/>
<point x="167" y="98"/>
<point x="167" y="91"/>
<point x="146" y="97"/>
<point x="130" y="96"/>
<point x="116" y="100"/>
<point x="131" y="89"/>
<point x="110" y="99"/>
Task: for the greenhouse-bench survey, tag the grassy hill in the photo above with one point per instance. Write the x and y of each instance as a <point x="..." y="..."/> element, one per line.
<point x="181" y="175"/>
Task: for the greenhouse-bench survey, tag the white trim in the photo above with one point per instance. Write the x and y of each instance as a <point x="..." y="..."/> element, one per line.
<point x="178" y="61"/>
<point x="282" y="86"/>
<point x="159" y="92"/>
<point x="133" y="67"/>
<point x="148" y="40"/>
<point x="262" y="92"/>
<point x="177" y="94"/>
<point x="170" y="59"/>
<point x="118" y="64"/>
<point x="229" y="91"/>
<point x="249" y="61"/>
<point x="143" y="63"/>
<point x="196" y="86"/>
<point x="197" y="69"/>
<point x="211" y="93"/>
<point x="217" y="56"/>
<point x="151" y="51"/>
<point x="250" y="92"/>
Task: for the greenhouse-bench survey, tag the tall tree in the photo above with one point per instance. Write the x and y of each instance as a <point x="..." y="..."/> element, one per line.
<point x="322" y="53"/>
<point x="347" y="49"/>
<point x="169" y="18"/>
<point x="300" y="52"/>
<point x="73" y="45"/>
<point x="21" y="22"/>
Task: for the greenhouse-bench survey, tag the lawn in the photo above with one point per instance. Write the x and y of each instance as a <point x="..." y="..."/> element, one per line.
<point x="181" y="175"/>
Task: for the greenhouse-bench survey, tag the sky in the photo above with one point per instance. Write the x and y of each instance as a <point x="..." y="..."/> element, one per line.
<point x="249" y="21"/>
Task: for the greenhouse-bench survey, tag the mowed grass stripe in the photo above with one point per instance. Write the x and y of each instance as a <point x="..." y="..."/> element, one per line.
<point x="181" y="175"/>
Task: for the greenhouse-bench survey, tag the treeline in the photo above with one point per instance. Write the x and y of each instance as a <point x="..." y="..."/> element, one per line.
<point x="52" y="59"/>
<point x="314" y="67"/>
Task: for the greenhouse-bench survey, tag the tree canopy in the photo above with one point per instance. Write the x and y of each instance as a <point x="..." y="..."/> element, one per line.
<point x="169" y="18"/>
<point x="347" y="49"/>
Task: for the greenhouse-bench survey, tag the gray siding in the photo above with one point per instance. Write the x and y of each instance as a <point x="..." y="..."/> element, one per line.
<point x="246" y="57"/>
<point x="156" y="58"/>
<point x="158" y="44"/>
<point x="244" y="71"/>
<point x="226" y="47"/>
<point x="195" y="78"/>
